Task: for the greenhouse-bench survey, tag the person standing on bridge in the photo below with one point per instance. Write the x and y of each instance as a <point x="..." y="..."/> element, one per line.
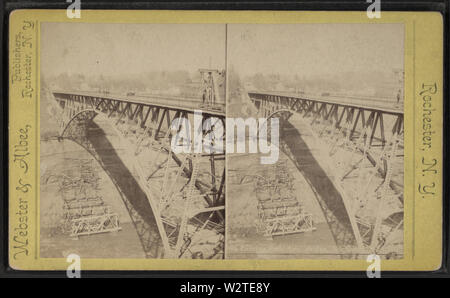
<point x="204" y="96"/>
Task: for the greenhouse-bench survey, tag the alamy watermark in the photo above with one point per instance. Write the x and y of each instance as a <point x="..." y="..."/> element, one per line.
<point x="374" y="268"/>
<point x="374" y="9"/>
<point x="73" y="11"/>
<point x="234" y="135"/>
<point x="74" y="268"/>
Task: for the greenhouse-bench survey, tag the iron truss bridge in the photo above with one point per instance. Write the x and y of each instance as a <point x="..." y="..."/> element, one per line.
<point x="361" y="191"/>
<point x="175" y="201"/>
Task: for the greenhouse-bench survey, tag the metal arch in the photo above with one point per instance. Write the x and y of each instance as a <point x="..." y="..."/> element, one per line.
<point x="136" y="217"/>
<point x="338" y="228"/>
<point x="133" y="213"/>
<point x="330" y="111"/>
<point x="108" y="107"/>
<point x="285" y="113"/>
<point x="75" y="118"/>
<point x="280" y="111"/>
<point x="374" y="121"/>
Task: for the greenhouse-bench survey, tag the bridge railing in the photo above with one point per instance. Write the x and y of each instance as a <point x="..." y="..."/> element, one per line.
<point x="163" y="100"/>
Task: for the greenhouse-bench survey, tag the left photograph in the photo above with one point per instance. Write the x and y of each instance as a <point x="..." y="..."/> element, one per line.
<point x="128" y="116"/>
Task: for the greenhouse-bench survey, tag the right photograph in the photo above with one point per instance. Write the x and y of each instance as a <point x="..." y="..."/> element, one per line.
<point x="317" y="166"/>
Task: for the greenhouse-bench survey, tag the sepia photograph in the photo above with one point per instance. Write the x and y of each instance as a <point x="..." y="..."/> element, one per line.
<point x="320" y="171"/>
<point x="219" y="142"/>
<point x="222" y="143"/>
<point x="117" y="103"/>
<point x="142" y="123"/>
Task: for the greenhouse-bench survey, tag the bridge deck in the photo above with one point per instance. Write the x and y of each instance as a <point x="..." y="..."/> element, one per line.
<point x="172" y="102"/>
<point x="372" y="103"/>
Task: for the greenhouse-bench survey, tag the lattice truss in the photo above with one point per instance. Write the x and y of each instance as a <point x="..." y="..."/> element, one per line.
<point x="182" y="215"/>
<point x="365" y="151"/>
<point x="279" y="210"/>
<point x="189" y="193"/>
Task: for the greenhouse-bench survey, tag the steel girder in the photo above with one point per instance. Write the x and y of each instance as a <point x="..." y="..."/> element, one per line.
<point x="149" y="122"/>
<point x="356" y="123"/>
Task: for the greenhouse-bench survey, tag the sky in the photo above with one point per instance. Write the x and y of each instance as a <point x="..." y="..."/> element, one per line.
<point x="290" y="49"/>
<point x="315" y="49"/>
<point x="107" y="49"/>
